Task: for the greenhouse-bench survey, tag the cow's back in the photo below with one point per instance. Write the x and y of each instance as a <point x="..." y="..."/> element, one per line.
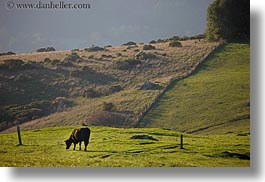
<point x="81" y="134"/>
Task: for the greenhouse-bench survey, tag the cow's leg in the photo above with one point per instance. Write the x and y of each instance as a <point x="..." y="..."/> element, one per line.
<point x="74" y="146"/>
<point x="86" y="143"/>
<point x="80" y="145"/>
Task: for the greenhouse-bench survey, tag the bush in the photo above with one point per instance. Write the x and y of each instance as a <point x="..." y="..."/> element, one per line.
<point x="159" y="41"/>
<point x="148" y="47"/>
<point x="90" y="93"/>
<point x="152" y="42"/>
<point x="48" y="49"/>
<point x="175" y="44"/>
<point x="81" y="72"/>
<point x="118" y="54"/>
<point x="94" y="49"/>
<point x="73" y="57"/>
<point x="115" y="88"/>
<point x="7" y="53"/>
<point x="107" y="46"/>
<point x="13" y="64"/>
<point x="31" y="65"/>
<point x="60" y="103"/>
<point x="141" y="55"/>
<point x="65" y="63"/>
<point x="55" y="61"/>
<point x="47" y="60"/>
<point x="108" y="106"/>
<point x="129" y="44"/>
<point x="128" y="64"/>
<point x="87" y="69"/>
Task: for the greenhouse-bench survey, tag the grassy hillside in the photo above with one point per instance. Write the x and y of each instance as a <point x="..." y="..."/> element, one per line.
<point x="113" y="147"/>
<point x="213" y="100"/>
<point x="67" y="87"/>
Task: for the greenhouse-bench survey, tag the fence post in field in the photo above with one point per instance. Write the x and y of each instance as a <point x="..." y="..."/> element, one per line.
<point x="19" y="136"/>
<point x="181" y="142"/>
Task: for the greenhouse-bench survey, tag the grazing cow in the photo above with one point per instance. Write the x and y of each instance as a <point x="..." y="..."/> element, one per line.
<point x="78" y="135"/>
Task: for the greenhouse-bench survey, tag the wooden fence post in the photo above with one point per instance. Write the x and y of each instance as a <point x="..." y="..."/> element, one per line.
<point x="181" y="142"/>
<point x="19" y="136"/>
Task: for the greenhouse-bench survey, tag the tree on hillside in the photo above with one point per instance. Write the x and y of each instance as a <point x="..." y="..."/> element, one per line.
<point x="228" y="19"/>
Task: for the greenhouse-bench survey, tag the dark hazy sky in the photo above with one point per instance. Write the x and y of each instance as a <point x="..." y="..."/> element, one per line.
<point x="106" y="22"/>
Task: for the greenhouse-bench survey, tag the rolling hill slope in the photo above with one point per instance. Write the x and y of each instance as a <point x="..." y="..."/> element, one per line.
<point x="69" y="87"/>
<point x="215" y="99"/>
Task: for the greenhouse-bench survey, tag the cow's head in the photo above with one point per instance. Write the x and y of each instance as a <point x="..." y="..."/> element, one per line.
<point x="68" y="143"/>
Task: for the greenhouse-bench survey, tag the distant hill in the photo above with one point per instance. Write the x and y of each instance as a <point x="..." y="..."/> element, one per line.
<point x="214" y="100"/>
<point x="70" y="87"/>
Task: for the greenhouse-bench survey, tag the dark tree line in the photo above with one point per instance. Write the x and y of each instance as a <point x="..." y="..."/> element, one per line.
<point x="228" y="20"/>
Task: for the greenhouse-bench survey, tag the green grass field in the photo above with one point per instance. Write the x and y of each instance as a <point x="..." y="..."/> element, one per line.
<point x="213" y="100"/>
<point x="112" y="147"/>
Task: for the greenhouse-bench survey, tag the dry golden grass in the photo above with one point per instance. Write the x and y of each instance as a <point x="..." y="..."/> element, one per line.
<point x="169" y="63"/>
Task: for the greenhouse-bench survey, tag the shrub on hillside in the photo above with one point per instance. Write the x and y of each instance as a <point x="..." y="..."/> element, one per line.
<point x="160" y="41"/>
<point x="91" y="57"/>
<point x="141" y="55"/>
<point x="60" y="103"/>
<point x="175" y="44"/>
<point x="130" y="43"/>
<point x="118" y="54"/>
<point x="90" y="93"/>
<point x="94" y="49"/>
<point x="128" y="64"/>
<point x="47" y="60"/>
<point x="115" y="88"/>
<point x="55" y="61"/>
<point x="152" y="42"/>
<point x="48" y="49"/>
<point x="108" y="106"/>
<point x="7" y="53"/>
<point x="148" y="47"/>
<point x="65" y="63"/>
<point x="32" y="65"/>
<point x="107" y="46"/>
<point x="12" y="64"/>
<point x="73" y="57"/>
<point x="82" y="72"/>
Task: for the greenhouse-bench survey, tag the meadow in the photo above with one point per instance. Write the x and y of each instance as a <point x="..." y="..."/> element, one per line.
<point x="113" y="147"/>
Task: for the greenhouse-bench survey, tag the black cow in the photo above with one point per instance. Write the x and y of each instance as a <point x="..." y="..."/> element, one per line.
<point x="78" y="135"/>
